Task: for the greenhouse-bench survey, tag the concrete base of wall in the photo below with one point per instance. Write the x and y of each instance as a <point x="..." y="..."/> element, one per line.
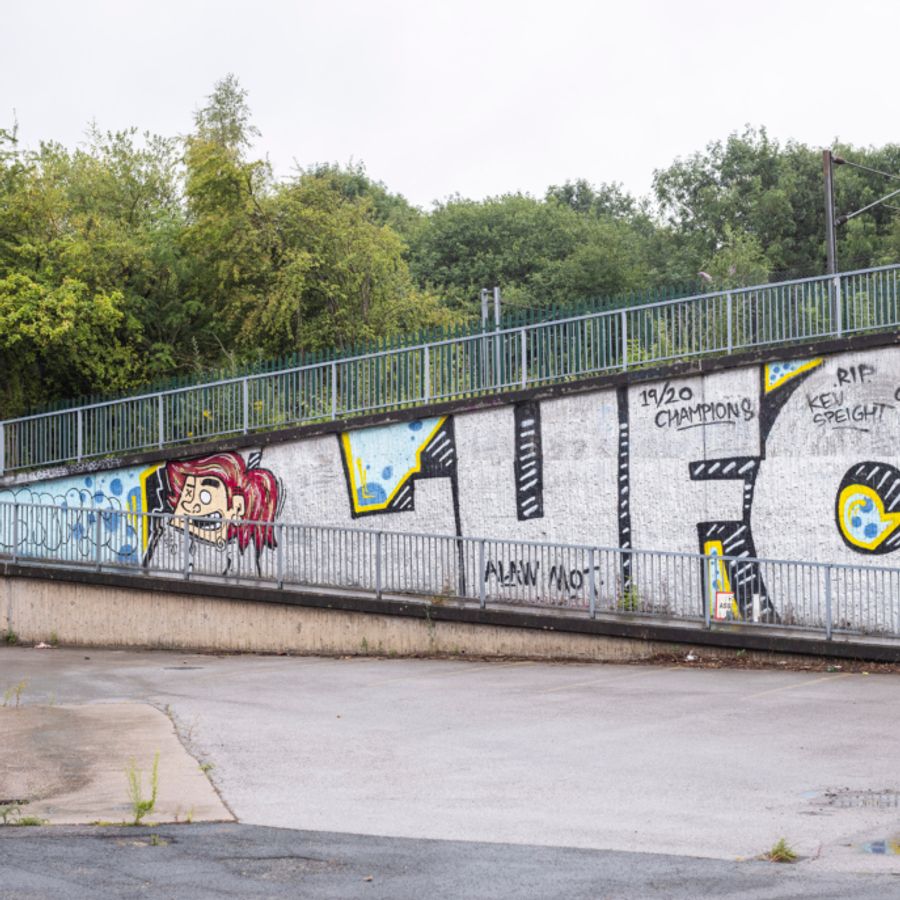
<point x="87" y="609"/>
<point x="98" y="615"/>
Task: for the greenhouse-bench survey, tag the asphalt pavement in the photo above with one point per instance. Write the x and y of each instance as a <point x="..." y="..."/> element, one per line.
<point x="499" y="777"/>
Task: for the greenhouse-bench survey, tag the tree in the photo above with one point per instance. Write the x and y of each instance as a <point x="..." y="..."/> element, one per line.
<point x="343" y="279"/>
<point x="230" y="235"/>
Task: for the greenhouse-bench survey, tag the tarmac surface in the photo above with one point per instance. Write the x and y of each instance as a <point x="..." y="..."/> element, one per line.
<point x="525" y="779"/>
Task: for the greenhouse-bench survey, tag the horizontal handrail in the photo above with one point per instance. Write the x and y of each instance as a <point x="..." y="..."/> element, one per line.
<point x="494" y="360"/>
<point x="583" y="578"/>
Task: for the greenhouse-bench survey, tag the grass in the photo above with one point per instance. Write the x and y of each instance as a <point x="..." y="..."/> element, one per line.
<point x="629" y="599"/>
<point x="14" y="693"/>
<point x="781" y="852"/>
<point x="11" y="815"/>
<point x="11" y="637"/>
<point x="140" y="805"/>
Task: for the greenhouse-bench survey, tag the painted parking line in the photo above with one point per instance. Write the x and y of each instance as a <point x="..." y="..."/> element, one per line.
<point x="465" y="670"/>
<point x="594" y="682"/>
<point x="790" y="687"/>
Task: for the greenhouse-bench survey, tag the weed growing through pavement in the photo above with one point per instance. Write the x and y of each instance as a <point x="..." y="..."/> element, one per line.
<point x="11" y="637"/>
<point x="140" y="805"/>
<point x="14" y="693"/>
<point x="11" y="815"/>
<point x="781" y="853"/>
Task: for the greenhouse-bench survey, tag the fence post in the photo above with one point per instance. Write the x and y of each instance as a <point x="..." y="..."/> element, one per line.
<point x="593" y="601"/>
<point x="624" y="339"/>
<point x="186" y="548"/>
<point x="279" y="556"/>
<point x="245" y="390"/>
<point x="79" y="434"/>
<point x="729" y="320"/>
<point x="828" y="613"/>
<point x="2" y="448"/>
<point x="838" y="307"/>
<point x="378" y="565"/>
<point x="426" y="377"/>
<point x="334" y="390"/>
<point x="523" y="353"/>
<point x="160" y="421"/>
<point x="707" y="598"/>
<point x="15" y="534"/>
<point x="481" y="597"/>
<point x="98" y="531"/>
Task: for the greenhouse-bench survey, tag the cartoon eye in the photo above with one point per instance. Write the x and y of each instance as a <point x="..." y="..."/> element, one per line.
<point x="205" y="497"/>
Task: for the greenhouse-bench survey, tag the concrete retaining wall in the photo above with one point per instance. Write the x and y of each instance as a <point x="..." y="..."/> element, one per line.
<point x="779" y="458"/>
<point x="98" y="615"/>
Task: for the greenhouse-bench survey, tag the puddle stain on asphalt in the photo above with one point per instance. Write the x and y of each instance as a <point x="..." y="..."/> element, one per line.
<point x="882" y="848"/>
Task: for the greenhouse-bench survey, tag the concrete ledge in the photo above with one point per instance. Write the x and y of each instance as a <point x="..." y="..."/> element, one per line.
<point x="83" y="607"/>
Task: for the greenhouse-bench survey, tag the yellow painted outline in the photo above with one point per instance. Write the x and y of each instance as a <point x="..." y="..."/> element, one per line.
<point x="876" y="542"/>
<point x="145" y="524"/>
<point x="348" y="458"/>
<point x="812" y="364"/>
<point x="723" y="572"/>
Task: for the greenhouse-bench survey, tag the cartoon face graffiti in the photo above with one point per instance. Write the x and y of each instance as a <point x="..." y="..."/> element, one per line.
<point x="225" y="500"/>
<point x="206" y="500"/>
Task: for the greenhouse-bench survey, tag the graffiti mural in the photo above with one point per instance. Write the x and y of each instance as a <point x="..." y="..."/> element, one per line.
<point x="528" y="463"/>
<point x="100" y="516"/>
<point x="868" y="508"/>
<point x="224" y="505"/>
<point x="795" y="459"/>
<point x="735" y="538"/>
<point x="383" y="463"/>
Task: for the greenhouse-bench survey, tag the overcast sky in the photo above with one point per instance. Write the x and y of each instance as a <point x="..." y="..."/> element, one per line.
<point x="475" y="98"/>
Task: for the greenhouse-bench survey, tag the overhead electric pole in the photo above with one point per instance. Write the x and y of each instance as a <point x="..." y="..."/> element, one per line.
<point x="830" y="239"/>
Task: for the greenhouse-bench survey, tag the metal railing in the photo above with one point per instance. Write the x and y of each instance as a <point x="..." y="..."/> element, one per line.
<point x="504" y="359"/>
<point x="580" y="579"/>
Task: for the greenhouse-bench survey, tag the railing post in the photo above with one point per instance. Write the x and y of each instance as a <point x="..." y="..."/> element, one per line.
<point x="334" y="390"/>
<point x="624" y="339"/>
<point x="2" y="448"/>
<point x="98" y="533"/>
<point x="707" y="598"/>
<point x="279" y="556"/>
<point x="378" y="585"/>
<point x="828" y="613"/>
<point x="245" y="391"/>
<point x="426" y="375"/>
<point x="15" y="534"/>
<point x="160" y="421"/>
<point x="481" y="597"/>
<point x="79" y="434"/>
<point x="523" y="355"/>
<point x="593" y="600"/>
<point x="838" y="307"/>
<point x="730" y="331"/>
<point x="186" y="548"/>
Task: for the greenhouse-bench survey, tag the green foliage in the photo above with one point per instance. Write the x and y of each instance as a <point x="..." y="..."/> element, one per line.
<point x="138" y="258"/>
<point x="13" y="695"/>
<point x="781" y="852"/>
<point x="140" y="805"/>
<point x="629" y="599"/>
<point x="750" y="185"/>
<point x="543" y="253"/>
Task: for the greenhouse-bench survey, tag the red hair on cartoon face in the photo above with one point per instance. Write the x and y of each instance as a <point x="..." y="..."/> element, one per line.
<point x="258" y="488"/>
